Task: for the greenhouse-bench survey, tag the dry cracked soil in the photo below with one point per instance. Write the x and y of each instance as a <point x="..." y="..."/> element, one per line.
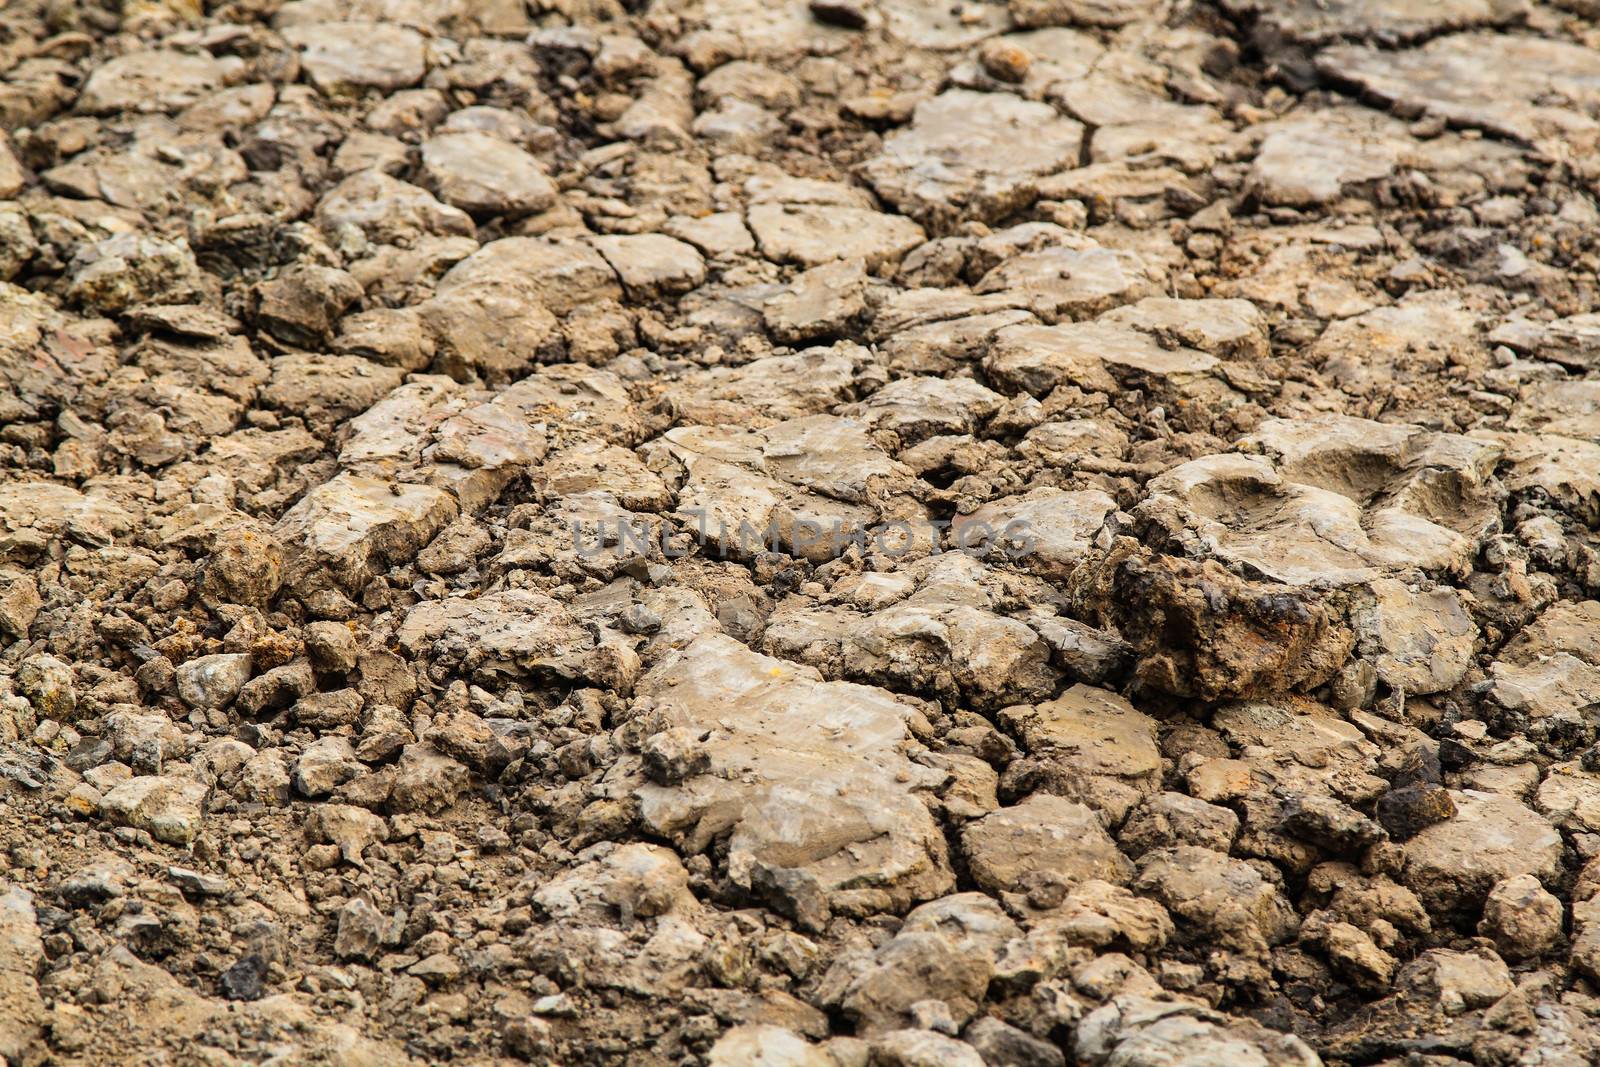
<point x="849" y="533"/>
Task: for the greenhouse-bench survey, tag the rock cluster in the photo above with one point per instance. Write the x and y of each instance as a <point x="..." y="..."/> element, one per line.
<point x="848" y="533"/>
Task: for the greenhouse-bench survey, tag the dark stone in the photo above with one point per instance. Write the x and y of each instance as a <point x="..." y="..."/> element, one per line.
<point x="638" y="619"/>
<point x="1001" y="1045"/>
<point x="245" y="980"/>
<point x="1329" y="824"/>
<point x="90" y="752"/>
<point x="794" y="893"/>
<point x="1419" y="766"/>
<point x="1406" y="812"/>
<point x="1454" y="756"/>
<point x="851" y="14"/>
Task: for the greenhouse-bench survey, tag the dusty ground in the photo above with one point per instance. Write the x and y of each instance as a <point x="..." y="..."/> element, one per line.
<point x="742" y="532"/>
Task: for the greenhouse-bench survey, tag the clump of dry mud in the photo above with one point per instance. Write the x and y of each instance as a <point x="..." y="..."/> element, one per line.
<point x="869" y="532"/>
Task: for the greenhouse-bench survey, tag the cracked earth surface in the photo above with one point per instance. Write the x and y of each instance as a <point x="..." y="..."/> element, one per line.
<point x="415" y="423"/>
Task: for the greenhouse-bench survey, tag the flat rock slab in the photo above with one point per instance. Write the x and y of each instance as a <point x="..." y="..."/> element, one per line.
<point x="560" y="276"/>
<point x="57" y="510"/>
<point x="811" y="234"/>
<point x="1134" y="1029"/>
<point x="352" y="528"/>
<point x="1045" y="838"/>
<point x="917" y="408"/>
<point x="1573" y="628"/>
<point x="388" y="210"/>
<point x="931" y="26"/>
<point x="1389" y="21"/>
<point x="155" y="80"/>
<point x="1091" y="355"/>
<point x="652" y="264"/>
<point x="1503" y="84"/>
<point x="1227" y="329"/>
<point x="483" y="175"/>
<point x="1047" y="531"/>
<point x="1337" y="506"/>
<point x="1566" y="470"/>
<point x="169" y="807"/>
<point x="22" y="1010"/>
<point x="1567" y="408"/>
<point x="1105" y="13"/>
<point x="978" y="154"/>
<point x="1573" y="342"/>
<point x="931" y="626"/>
<point x="1060" y="284"/>
<point x="1310" y="159"/>
<point x="1095" y="730"/>
<point x="341" y="58"/>
<point x="514" y="631"/>
<point x="809" y="776"/>
<point x="1452" y="865"/>
<point x="811" y="381"/>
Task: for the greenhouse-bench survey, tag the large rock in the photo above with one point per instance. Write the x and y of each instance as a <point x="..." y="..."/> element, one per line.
<point x="1396" y="350"/>
<point x="652" y="264"/>
<point x="635" y="881"/>
<point x="325" y="389"/>
<point x="350" y="529"/>
<point x="1095" y="731"/>
<point x="921" y="407"/>
<point x="211" y="682"/>
<point x="1047" y="531"/>
<point x="944" y="951"/>
<point x="811" y="381"/>
<point x="345" y="57"/>
<point x="810" y="234"/>
<point x="943" y="636"/>
<point x="1453" y="865"/>
<point x="465" y="441"/>
<point x="1045" y="839"/>
<point x="515" y="632"/>
<point x="1311" y="159"/>
<point x="52" y="510"/>
<point x="1569" y="627"/>
<point x="162" y="1016"/>
<point x="1199" y="630"/>
<point x="765" y="1045"/>
<point x="169" y="807"/>
<point x="1420" y="642"/>
<point x="1573" y="342"/>
<point x="1227" y="329"/>
<point x="974" y="155"/>
<point x="1524" y="88"/>
<point x="807" y="485"/>
<point x="1333" y="501"/>
<point x="808" y="778"/>
<point x="1218" y="900"/>
<point x="129" y="269"/>
<point x="483" y="175"/>
<point x="1387" y="21"/>
<point x="388" y="210"/>
<point x="1548" y="467"/>
<point x="560" y="276"/>
<point x="1134" y="1031"/>
<point x="156" y="80"/>
<point x="1076" y="282"/>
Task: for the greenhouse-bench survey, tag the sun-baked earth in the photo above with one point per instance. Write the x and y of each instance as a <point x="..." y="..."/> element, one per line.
<point x="860" y="533"/>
